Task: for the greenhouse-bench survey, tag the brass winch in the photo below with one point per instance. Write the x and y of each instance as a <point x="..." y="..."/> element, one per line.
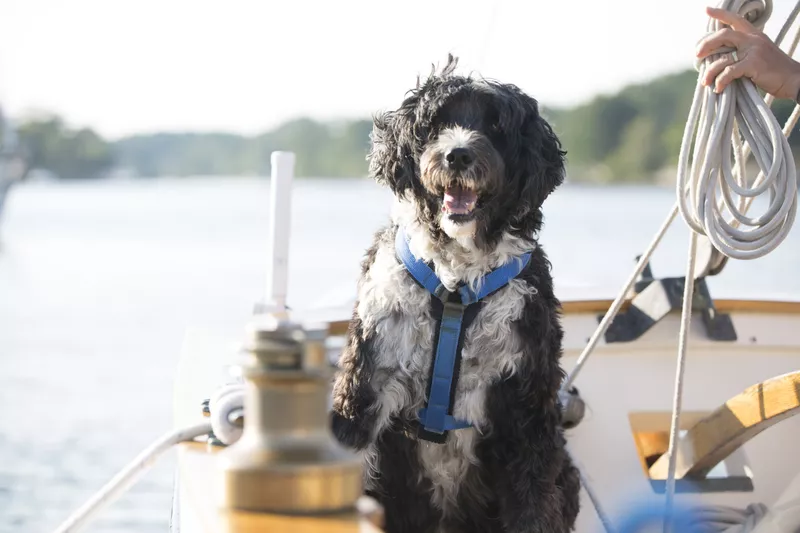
<point x="287" y="461"/>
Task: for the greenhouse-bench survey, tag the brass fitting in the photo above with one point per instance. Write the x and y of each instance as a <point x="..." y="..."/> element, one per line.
<point x="287" y="461"/>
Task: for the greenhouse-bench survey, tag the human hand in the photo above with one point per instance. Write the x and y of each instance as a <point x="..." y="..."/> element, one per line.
<point x="755" y="57"/>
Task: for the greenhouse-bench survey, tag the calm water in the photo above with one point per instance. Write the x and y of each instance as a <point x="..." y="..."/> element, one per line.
<point x="99" y="282"/>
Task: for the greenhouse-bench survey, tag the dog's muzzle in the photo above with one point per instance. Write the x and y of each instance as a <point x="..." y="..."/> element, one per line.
<point x="461" y="165"/>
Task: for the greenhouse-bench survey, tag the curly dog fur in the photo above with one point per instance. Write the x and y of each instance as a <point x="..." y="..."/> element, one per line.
<point x="470" y="162"/>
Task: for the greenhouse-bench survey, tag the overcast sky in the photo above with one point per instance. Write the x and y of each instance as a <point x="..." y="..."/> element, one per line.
<point x="125" y="66"/>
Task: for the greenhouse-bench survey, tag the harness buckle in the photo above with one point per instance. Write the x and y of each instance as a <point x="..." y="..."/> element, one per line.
<point x="452" y="310"/>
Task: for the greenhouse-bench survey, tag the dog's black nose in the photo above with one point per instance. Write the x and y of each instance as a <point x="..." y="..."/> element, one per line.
<point x="458" y="158"/>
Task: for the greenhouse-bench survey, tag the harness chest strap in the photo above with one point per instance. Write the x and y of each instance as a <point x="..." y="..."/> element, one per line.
<point x="435" y="419"/>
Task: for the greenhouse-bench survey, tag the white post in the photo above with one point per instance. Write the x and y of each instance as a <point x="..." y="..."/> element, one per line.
<point x="280" y="222"/>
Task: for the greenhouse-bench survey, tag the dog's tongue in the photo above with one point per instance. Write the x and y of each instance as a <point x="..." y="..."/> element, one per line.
<point x="458" y="200"/>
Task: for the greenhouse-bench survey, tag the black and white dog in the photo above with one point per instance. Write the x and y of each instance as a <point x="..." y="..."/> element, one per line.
<point x="449" y="381"/>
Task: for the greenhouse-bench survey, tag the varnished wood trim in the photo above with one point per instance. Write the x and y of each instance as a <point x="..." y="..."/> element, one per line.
<point x="575" y="307"/>
<point x="589" y="306"/>
<point x="757" y="306"/>
<point x="651" y="432"/>
<point x="338" y="327"/>
<point x="740" y="419"/>
<point x="723" y="306"/>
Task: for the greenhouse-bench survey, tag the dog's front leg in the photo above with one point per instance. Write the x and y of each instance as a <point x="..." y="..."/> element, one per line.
<point x="354" y="399"/>
<point x="536" y="485"/>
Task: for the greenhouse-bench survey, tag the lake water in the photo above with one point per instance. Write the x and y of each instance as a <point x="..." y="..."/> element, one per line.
<point x="100" y="280"/>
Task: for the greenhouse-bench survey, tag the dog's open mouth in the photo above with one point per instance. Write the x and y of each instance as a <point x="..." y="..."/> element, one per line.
<point x="459" y="202"/>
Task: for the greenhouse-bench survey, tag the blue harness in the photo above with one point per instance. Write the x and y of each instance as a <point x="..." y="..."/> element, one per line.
<point x="456" y="309"/>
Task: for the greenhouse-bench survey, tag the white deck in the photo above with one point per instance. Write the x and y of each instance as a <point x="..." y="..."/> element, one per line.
<point x="622" y="379"/>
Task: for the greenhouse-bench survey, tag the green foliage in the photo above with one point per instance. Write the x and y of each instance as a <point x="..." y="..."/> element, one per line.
<point x="639" y="150"/>
<point x="631" y="134"/>
<point x="322" y="150"/>
<point x="68" y="153"/>
<point x="187" y="154"/>
<point x="626" y="137"/>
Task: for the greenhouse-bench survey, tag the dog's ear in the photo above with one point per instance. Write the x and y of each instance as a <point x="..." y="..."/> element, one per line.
<point x="391" y="157"/>
<point x="398" y="136"/>
<point x="541" y="158"/>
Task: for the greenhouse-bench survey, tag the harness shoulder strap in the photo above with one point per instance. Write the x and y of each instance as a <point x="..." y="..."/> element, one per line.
<point x="418" y="269"/>
<point x="496" y="279"/>
<point x="435" y="419"/>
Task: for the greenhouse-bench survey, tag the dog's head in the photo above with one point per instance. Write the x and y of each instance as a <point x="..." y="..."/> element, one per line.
<point x="475" y="157"/>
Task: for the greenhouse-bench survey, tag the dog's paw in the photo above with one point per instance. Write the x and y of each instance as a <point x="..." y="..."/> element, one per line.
<point x="348" y="432"/>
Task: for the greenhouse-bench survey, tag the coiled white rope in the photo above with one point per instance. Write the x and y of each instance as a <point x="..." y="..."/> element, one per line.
<point x="225" y="406"/>
<point x="616" y="305"/>
<point x="723" y="519"/>
<point x="128" y="475"/>
<point x="712" y="186"/>
<point x="740" y="103"/>
<point x="782" y="518"/>
<point x="769" y="232"/>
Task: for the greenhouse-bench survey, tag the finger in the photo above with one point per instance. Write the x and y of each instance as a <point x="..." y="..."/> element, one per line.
<point x="718" y="39"/>
<point x="714" y="68"/>
<point x="734" y="20"/>
<point x="729" y="73"/>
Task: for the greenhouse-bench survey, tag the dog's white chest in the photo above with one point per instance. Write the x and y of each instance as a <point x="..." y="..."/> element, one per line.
<point x="399" y="312"/>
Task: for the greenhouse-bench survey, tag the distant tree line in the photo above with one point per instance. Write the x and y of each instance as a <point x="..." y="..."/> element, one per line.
<point x="68" y="153"/>
<point x="322" y="150"/>
<point x="625" y="137"/>
<point x="630" y="136"/>
<point x="333" y="149"/>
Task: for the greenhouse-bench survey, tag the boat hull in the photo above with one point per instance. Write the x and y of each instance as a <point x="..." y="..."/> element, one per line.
<point x="629" y="388"/>
<point x="628" y="392"/>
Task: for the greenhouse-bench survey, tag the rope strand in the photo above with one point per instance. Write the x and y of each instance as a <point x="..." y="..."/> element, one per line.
<point x="613" y="310"/>
<point x="746" y="150"/>
<point x="712" y="119"/>
<point x="739" y="108"/>
<point x="677" y="398"/>
<point x="128" y="475"/>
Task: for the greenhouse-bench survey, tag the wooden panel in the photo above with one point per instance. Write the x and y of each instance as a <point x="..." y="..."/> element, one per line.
<point x="757" y="306"/>
<point x="339" y="327"/>
<point x="723" y="306"/>
<point x="651" y="433"/>
<point x="742" y="417"/>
